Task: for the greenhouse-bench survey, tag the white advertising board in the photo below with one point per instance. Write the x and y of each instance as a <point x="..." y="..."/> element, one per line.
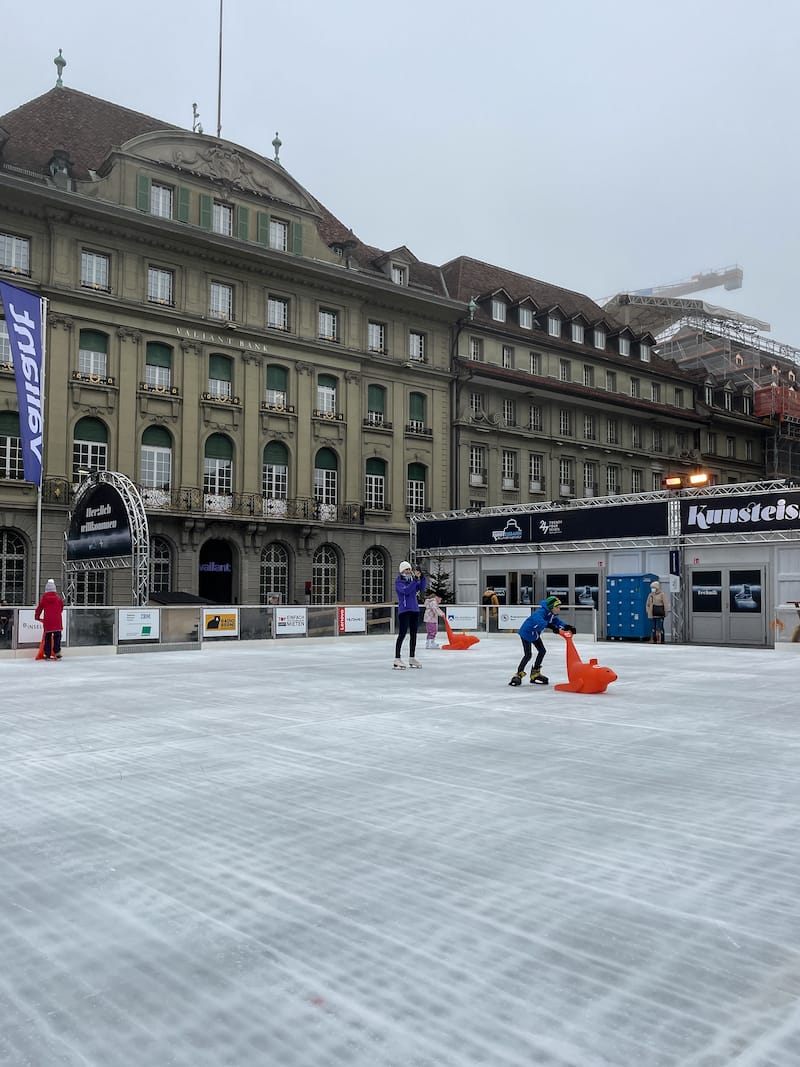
<point x="139" y="625"/>
<point x="290" y="621"/>
<point x="29" y="631"/>
<point x="462" y="617"/>
<point x="352" y="620"/>
<point x="511" y="618"/>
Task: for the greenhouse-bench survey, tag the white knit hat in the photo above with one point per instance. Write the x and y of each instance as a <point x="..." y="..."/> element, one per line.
<point x="654" y="585"/>
<point x="50" y="587"/>
<point x="404" y="566"/>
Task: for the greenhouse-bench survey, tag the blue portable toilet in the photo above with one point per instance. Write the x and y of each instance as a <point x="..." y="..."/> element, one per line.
<point x="626" y="596"/>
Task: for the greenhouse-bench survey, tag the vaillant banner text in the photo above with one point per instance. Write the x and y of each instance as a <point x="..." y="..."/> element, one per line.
<point x="23" y="312"/>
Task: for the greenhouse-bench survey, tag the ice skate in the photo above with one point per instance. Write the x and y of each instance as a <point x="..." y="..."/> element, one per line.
<point x="537" y="678"/>
<point x="414" y="662"/>
<point x="398" y="665"/>
<point x="517" y="679"/>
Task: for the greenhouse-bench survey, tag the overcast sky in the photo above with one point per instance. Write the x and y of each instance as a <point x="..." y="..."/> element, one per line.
<point x="600" y="146"/>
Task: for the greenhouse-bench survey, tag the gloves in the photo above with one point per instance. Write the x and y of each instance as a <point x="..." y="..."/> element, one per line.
<point x="570" y="629"/>
<point x="556" y="628"/>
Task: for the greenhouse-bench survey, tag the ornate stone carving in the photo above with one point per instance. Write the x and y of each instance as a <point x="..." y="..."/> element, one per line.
<point x="66" y="322"/>
<point x="352" y="376"/>
<point x="190" y="346"/>
<point x="128" y="333"/>
<point x="304" y="368"/>
<point x="225" y="165"/>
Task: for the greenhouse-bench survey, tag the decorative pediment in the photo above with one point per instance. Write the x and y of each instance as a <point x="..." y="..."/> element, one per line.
<point x="228" y="164"/>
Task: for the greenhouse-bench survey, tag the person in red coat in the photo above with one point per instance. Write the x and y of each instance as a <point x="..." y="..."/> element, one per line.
<point x="49" y="612"/>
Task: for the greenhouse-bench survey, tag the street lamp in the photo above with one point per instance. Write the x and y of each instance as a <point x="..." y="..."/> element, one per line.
<point x="678" y="483"/>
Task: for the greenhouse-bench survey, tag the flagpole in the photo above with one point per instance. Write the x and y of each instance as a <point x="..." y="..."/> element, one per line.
<point x="219" y="77"/>
<point x="38" y="590"/>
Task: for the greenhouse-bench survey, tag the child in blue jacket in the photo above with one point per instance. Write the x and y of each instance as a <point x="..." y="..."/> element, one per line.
<point x="545" y="617"/>
<point x="407" y="585"/>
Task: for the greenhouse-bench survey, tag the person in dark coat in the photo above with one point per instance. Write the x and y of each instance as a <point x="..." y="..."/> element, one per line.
<point x="407" y="584"/>
<point x="545" y="617"/>
<point x="49" y="611"/>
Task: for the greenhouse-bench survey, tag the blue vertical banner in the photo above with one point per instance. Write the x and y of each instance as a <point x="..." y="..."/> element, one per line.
<point x="23" y="312"/>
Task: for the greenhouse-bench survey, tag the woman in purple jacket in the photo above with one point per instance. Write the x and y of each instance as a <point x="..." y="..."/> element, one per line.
<point x="407" y="584"/>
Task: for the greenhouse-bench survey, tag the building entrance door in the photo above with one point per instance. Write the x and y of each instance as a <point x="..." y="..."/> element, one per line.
<point x="726" y="606"/>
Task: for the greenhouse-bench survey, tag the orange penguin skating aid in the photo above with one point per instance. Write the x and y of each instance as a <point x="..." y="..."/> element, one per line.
<point x="584" y="677"/>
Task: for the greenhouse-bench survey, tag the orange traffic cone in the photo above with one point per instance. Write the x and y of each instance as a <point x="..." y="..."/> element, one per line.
<point x="40" y="653"/>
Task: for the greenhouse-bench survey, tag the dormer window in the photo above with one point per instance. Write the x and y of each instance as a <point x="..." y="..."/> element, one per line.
<point x="554" y="325"/>
<point x="498" y="310"/>
<point x="526" y="318"/>
<point x="599" y="338"/>
<point x="624" y="346"/>
<point x="644" y="352"/>
<point x="577" y="333"/>
<point x="399" y="274"/>
<point x="708" y="392"/>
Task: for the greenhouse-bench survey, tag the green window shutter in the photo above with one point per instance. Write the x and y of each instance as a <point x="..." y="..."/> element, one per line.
<point x="142" y="193"/>
<point x="157" y="437"/>
<point x="243" y="223"/>
<point x="416" y="407"/>
<point x="93" y="341"/>
<point x="263" y="228"/>
<point x="325" y="460"/>
<point x="206" y="211"/>
<point x="218" y="446"/>
<point x="327" y="381"/>
<point x="219" y="367"/>
<point x="376" y="398"/>
<point x="297" y="238"/>
<point x="376" y="466"/>
<point x="158" y="355"/>
<point x="91" y="430"/>
<point x="277" y="378"/>
<point x="416" y="472"/>
<point x="276" y="454"/>
<point x="9" y="424"/>
<point x="183" y="203"/>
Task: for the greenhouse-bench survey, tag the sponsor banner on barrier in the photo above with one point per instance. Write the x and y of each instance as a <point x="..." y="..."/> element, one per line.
<point x="221" y="623"/>
<point x="461" y="618"/>
<point x="290" y="621"/>
<point x="139" y="625"/>
<point x="511" y="618"/>
<point x="352" y="620"/>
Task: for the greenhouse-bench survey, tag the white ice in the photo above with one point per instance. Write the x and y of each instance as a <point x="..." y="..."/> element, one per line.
<point x="289" y="855"/>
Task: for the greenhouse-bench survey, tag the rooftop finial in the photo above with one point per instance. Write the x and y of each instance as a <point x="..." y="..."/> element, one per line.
<point x="197" y="126"/>
<point x="60" y="63"/>
<point x="276" y="144"/>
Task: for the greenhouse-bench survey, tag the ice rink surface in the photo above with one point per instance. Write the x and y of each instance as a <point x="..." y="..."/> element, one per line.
<point x="288" y="855"/>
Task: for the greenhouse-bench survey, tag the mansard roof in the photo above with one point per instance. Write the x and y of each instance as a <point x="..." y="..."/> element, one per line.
<point x="85" y="126"/>
<point x="467" y="278"/>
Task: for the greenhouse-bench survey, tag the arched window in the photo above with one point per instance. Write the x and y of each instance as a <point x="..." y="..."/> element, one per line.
<point x="375" y="485"/>
<point x="89" y="448"/>
<point x="376" y="405"/>
<point x="324" y="575"/>
<point x="415" y="489"/>
<point x="326" y="481"/>
<point x="156" y="465"/>
<point x="326" y="394"/>
<point x="275" y="478"/>
<point x="12" y="567"/>
<point x="277" y="394"/>
<point x="10" y="446"/>
<point x="220" y="377"/>
<point x="373" y="576"/>
<point x="416" y="412"/>
<point x="160" y="565"/>
<point x="218" y="473"/>
<point x="93" y="354"/>
<point x="158" y="366"/>
<point x="274" y="578"/>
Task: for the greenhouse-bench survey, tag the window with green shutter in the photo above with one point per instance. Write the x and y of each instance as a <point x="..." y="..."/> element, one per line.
<point x="142" y="193"/>
<point x="243" y="223"/>
<point x="184" y="198"/>
<point x="297" y="238"/>
<point x="219" y="376"/>
<point x="206" y="211"/>
<point x="416" y="408"/>
<point x="9" y="424"/>
<point x="218" y="446"/>
<point x="262" y="228"/>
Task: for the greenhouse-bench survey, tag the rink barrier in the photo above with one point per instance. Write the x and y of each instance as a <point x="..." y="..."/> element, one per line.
<point x="180" y="628"/>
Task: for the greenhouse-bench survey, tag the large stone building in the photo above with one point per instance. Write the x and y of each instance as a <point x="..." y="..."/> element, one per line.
<point x="283" y="394"/>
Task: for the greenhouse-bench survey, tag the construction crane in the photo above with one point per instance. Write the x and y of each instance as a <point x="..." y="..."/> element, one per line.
<point x="728" y="277"/>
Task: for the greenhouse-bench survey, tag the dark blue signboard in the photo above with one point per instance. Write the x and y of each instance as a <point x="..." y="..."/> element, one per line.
<point x="546" y="527"/>
<point x="741" y="514"/>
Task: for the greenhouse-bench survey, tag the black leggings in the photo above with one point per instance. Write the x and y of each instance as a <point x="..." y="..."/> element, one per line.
<point x="526" y="654"/>
<point x="408" y="621"/>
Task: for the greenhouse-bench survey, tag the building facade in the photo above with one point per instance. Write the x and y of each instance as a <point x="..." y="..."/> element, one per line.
<point x="283" y="395"/>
